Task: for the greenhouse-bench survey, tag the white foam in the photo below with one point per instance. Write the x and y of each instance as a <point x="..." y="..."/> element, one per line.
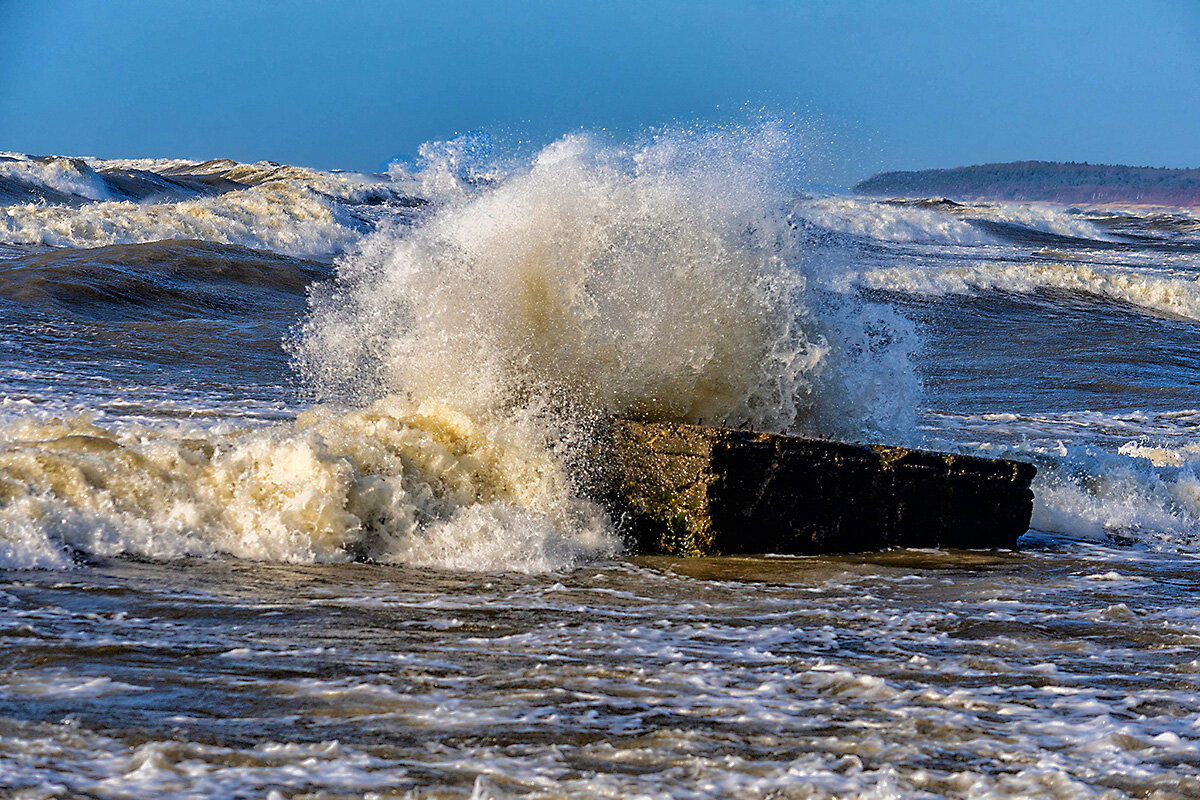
<point x="104" y="766"/>
<point x="1100" y="496"/>
<point x="890" y="222"/>
<point x="284" y="216"/>
<point x="351" y="186"/>
<point x="72" y="177"/>
<point x="946" y="224"/>
<point x="62" y="685"/>
<point x="1170" y="295"/>
<point x="661" y="282"/>
<point x="1161" y="456"/>
<point x="1038" y="217"/>
<point x="1095" y="481"/>
<point x="397" y="481"/>
<point x="450" y="170"/>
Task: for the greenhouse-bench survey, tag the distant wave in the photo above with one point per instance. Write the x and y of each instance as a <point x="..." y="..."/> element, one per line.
<point x="1175" y="226"/>
<point x="63" y="180"/>
<point x="59" y="202"/>
<point x="1167" y="295"/>
<point x="282" y="216"/>
<point x="890" y="222"/>
<point x="73" y="181"/>
<point x="945" y="222"/>
<point x="1039" y="218"/>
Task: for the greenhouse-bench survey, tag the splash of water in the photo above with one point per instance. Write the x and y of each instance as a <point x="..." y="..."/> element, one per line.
<point x="462" y="358"/>
<point x="660" y="282"/>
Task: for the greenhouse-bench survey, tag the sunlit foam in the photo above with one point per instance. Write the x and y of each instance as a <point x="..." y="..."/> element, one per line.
<point x="945" y="224"/>
<point x="71" y="177"/>
<point x="394" y="481"/>
<point x="462" y="359"/>
<point x="283" y="216"/>
<point x="661" y="282"/>
<point x="1164" y="294"/>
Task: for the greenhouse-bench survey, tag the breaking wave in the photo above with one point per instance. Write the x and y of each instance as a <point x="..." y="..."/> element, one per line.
<point x="890" y="222"/>
<point x="1094" y="483"/>
<point x="1174" y="296"/>
<point x="63" y="179"/>
<point x="392" y="482"/>
<point x="940" y="221"/>
<point x="1146" y="495"/>
<point x="662" y="282"/>
<point x="75" y="202"/>
<point x="1038" y="218"/>
<point x="460" y="358"/>
<point x="283" y="216"/>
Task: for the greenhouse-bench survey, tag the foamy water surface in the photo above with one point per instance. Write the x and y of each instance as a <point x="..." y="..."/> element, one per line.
<point x="288" y="465"/>
<point x="1063" y="672"/>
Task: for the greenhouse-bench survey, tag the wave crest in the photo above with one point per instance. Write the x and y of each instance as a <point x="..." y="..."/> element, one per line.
<point x="1175" y="296"/>
<point x="284" y="216"/>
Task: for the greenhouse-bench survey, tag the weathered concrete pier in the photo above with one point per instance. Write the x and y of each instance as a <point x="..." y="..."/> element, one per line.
<point x="690" y="490"/>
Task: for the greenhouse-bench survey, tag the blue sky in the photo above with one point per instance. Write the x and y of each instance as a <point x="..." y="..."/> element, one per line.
<point x="901" y="85"/>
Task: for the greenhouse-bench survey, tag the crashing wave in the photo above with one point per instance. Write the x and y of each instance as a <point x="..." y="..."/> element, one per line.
<point x="1174" y="296"/>
<point x="420" y="484"/>
<point x="663" y="283"/>
<point x="462" y="356"/>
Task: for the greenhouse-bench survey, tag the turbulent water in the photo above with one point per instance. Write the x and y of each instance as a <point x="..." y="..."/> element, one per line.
<point x="288" y="466"/>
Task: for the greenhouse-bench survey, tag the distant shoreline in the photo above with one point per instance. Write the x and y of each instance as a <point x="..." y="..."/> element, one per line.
<point x="1044" y="181"/>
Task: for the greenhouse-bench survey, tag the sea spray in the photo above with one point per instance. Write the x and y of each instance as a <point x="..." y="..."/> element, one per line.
<point x="461" y="356"/>
<point x="660" y="282"/>
<point x="1149" y="496"/>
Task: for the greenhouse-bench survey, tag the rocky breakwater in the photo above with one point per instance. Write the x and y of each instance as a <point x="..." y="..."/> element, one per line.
<point x="691" y="490"/>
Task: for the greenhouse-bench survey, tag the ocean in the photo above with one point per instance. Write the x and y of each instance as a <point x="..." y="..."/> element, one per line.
<point x="289" y="469"/>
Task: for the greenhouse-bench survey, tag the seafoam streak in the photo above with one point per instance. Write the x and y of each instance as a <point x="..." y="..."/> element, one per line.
<point x="1177" y="296"/>
<point x="283" y="216"/>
